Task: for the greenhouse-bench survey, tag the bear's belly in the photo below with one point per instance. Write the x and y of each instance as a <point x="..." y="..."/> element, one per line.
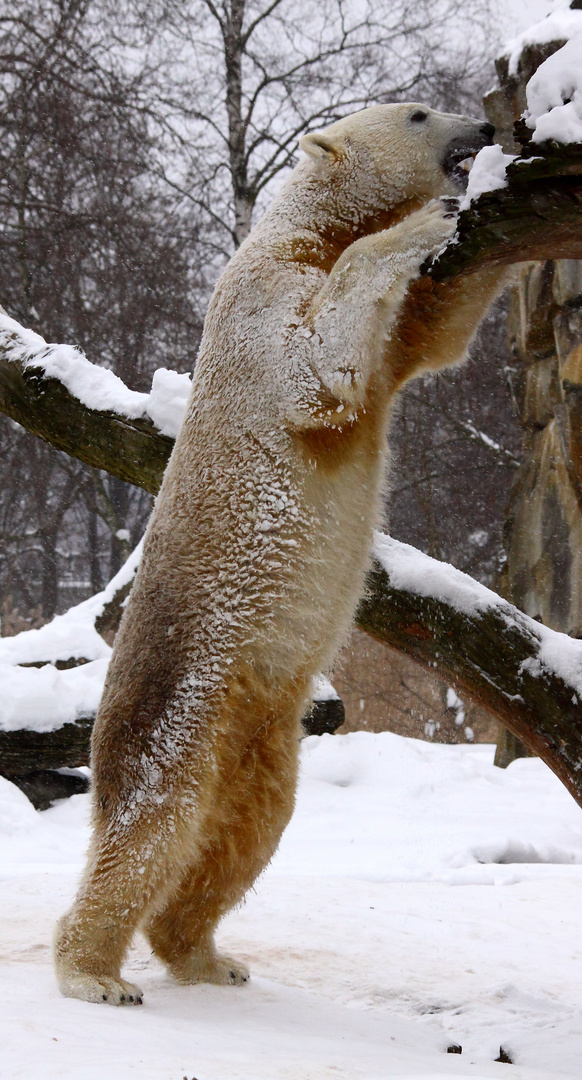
<point x="272" y="552"/>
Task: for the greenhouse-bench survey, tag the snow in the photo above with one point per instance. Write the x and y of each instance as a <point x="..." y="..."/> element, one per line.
<point x="554" y="94"/>
<point x="560" y="25"/>
<point x="561" y="654"/>
<point x="487" y="174"/>
<point x="412" y="570"/>
<point x="323" y="690"/>
<point x="95" y="386"/>
<point x="420" y="897"/>
<point x="168" y="400"/>
<point x="43" y="698"/>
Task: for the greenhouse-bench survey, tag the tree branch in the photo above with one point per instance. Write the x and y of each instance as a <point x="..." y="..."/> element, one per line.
<point x="133" y="450"/>
<point x="489" y="650"/>
<point x="537" y="216"/>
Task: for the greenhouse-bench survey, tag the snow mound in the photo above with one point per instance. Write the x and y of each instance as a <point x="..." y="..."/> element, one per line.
<point x="44" y="698"/>
<point x="17" y="814"/>
<point x="168" y="400"/>
<point x="554" y="94"/>
<point x="488" y="173"/>
<point x="509" y="852"/>
<point x="560" y="25"/>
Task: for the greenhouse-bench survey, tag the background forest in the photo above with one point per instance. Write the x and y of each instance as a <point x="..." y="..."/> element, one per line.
<point x="139" y="142"/>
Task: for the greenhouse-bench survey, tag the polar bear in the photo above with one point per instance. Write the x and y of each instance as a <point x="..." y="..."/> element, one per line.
<point x="258" y="546"/>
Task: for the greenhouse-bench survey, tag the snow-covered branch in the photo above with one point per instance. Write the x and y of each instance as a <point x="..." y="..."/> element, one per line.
<point x="529" y="676"/>
<point x="55" y="392"/>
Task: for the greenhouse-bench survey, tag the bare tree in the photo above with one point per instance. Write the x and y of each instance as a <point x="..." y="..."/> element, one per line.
<point x="253" y="75"/>
<point x="94" y="249"/>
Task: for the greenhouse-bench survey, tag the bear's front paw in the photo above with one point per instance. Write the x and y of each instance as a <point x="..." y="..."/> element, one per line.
<point x="431" y="227"/>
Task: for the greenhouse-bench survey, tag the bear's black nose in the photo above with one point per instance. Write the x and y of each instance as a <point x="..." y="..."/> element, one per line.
<point x="488" y="130"/>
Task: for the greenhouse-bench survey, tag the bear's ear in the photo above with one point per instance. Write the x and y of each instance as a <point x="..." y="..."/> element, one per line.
<point x="319" y="145"/>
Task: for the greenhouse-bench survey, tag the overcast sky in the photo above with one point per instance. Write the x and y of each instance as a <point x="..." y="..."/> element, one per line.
<point x="519" y="14"/>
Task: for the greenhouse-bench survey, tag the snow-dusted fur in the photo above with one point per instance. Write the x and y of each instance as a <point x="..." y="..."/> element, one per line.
<point x="256" y="553"/>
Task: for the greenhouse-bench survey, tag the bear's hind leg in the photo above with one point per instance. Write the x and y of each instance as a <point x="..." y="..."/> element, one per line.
<point x="182" y="935"/>
<point x="254" y="802"/>
<point x="126" y="875"/>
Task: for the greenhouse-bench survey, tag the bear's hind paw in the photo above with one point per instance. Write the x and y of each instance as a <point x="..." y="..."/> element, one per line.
<point x="219" y="969"/>
<point x="101" y="989"/>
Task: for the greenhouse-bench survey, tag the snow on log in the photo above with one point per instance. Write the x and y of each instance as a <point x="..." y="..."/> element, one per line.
<point x="529" y="676"/>
<point x="55" y="392"/>
<point x="52" y="681"/>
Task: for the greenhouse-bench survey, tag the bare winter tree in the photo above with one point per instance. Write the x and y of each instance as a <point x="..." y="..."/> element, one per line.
<point x="253" y="75"/>
<point x="94" y="249"/>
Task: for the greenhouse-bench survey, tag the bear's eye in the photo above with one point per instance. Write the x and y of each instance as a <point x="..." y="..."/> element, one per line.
<point x="418" y="117"/>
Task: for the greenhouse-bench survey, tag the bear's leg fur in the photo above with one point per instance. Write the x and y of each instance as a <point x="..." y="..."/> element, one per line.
<point x="126" y="875"/>
<point x="177" y="869"/>
<point x="254" y="802"/>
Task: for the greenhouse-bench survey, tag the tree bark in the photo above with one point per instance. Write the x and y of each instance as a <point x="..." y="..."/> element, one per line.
<point x="536" y="217"/>
<point x="24" y="751"/>
<point x="133" y="450"/>
<point x="492" y="657"/>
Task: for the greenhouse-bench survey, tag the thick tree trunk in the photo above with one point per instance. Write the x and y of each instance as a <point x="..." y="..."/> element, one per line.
<point x="542" y="574"/>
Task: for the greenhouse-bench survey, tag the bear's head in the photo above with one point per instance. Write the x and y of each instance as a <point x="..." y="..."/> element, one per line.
<point x="390" y="154"/>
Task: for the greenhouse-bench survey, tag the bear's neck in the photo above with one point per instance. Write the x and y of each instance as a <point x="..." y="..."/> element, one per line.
<point x="318" y="220"/>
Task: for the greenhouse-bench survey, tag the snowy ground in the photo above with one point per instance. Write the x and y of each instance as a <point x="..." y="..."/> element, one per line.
<point x="420" y="897"/>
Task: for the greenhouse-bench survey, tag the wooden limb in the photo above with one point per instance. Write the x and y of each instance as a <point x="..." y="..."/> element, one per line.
<point x="26" y="754"/>
<point x="24" y="751"/>
<point x="537" y="216"/>
<point x="133" y="450"/>
<point x="493" y="656"/>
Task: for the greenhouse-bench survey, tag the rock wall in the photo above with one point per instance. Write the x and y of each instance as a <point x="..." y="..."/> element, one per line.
<point x="543" y="535"/>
